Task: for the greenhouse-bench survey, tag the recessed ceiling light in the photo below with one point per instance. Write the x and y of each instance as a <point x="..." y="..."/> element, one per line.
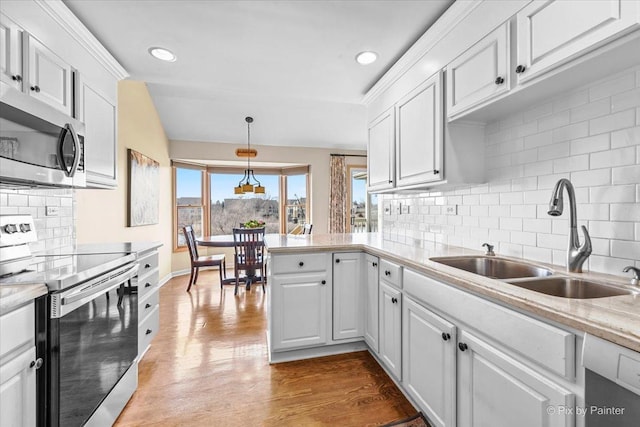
<point x="162" y="54"/>
<point x="366" y="57"/>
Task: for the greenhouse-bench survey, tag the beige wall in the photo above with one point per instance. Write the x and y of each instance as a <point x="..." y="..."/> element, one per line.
<point x="101" y="215"/>
<point x="317" y="158"/>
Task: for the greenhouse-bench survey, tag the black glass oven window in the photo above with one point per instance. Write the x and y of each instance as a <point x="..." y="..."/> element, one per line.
<point x="98" y="343"/>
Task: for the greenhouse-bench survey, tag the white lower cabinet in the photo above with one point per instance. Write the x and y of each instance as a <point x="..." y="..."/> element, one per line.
<point x="428" y="362"/>
<point x="299" y="310"/>
<point x="370" y="302"/>
<point x="347" y="295"/>
<point x="18" y="365"/>
<point x="498" y="391"/>
<point x="391" y="329"/>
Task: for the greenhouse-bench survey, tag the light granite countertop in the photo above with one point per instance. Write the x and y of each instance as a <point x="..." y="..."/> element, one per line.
<point x="615" y="319"/>
<point x="14" y="296"/>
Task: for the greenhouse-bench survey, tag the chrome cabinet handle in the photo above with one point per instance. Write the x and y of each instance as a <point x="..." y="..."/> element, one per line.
<point x="36" y="364"/>
<point x="16" y="78"/>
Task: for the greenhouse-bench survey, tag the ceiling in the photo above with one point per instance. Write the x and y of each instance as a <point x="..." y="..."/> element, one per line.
<point x="289" y="64"/>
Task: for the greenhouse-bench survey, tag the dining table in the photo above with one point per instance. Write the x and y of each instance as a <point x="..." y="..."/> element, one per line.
<point x="226" y="241"/>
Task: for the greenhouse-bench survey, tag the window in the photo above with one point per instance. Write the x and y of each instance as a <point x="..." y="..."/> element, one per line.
<point x="295" y="206"/>
<point x="188" y="207"/>
<point x="204" y="198"/>
<point x="229" y="210"/>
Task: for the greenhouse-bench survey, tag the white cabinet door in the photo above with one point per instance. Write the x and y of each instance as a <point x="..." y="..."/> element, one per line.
<point x="347" y="295"/>
<point x="11" y="52"/>
<point x="419" y="136"/>
<point x="380" y="152"/>
<point x="498" y="391"/>
<point x="370" y="300"/>
<point x="50" y="78"/>
<point x="428" y="362"/>
<point x="391" y="329"/>
<point x="99" y="117"/>
<point x="479" y="74"/>
<point x="550" y="33"/>
<point x="18" y="390"/>
<point x="299" y="310"/>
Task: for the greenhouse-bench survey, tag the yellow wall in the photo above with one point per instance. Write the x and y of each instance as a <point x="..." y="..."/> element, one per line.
<point x="317" y="158"/>
<point x="101" y="215"/>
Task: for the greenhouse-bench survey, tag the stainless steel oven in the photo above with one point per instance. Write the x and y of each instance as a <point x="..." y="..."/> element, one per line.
<point x="89" y="334"/>
<point x="39" y="146"/>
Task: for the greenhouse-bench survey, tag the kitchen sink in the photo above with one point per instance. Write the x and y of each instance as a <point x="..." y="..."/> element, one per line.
<point x="493" y="267"/>
<point x="568" y="287"/>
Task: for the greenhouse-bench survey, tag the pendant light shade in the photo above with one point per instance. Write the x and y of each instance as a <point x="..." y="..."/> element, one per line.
<point x="249" y="183"/>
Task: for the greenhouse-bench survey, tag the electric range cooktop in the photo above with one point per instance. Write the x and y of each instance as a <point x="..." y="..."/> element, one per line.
<point x="64" y="270"/>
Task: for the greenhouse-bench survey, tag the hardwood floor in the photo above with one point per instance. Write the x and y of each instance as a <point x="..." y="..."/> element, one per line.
<point x="208" y="367"/>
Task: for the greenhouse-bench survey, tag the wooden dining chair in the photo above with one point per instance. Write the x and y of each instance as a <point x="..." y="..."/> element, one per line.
<point x="198" y="261"/>
<point x="249" y="256"/>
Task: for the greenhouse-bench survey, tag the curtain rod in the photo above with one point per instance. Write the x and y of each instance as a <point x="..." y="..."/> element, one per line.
<point x="348" y="155"/>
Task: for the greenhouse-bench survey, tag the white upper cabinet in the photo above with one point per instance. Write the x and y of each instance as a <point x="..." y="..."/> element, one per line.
<point x="419" y="136"/>
<point x="480" y="73"/>
<point x="99" y="117"/>
<point x="381" y="152"/>
<point x="550" y="33"/>
<point x="50" y="78"/>
<point x="11" y="52"/>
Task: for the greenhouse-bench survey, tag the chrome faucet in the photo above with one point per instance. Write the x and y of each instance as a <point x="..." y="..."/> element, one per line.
<point x="489" y="249"/>
<point x="636" y="274"/>
<point x="576" y="254"/>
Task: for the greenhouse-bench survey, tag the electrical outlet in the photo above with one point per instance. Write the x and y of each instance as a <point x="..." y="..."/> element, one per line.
<point x="451" y="210"/>
<point x="52" y="210"/>
<point x="387" y="209"/>
<point x="405" y="209"/>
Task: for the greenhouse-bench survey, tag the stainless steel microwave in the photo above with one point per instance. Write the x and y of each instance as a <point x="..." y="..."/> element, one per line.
<point x="39" y="145"/>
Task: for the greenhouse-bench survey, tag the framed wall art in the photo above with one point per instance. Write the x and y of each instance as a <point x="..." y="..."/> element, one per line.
<point x="144" y="189"/>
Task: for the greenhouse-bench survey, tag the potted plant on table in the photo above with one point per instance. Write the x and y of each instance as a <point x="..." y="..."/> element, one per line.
<point x="254" y="223"/>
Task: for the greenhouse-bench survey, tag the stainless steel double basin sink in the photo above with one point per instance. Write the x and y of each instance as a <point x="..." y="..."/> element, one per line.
<point x="532" y="277"/>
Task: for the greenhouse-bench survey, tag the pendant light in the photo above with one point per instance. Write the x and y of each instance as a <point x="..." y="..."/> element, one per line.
<point x="246" y="183"/>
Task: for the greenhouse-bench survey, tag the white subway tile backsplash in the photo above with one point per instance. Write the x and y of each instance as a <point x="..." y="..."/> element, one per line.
<point x="618" y="84"/>
<point x="612" y="122"/>
<point x="613" y="194"/>
<point x="591" y="144"/>
<point x="591" y="110"/>
<point x="573" y="131"/>
<point x="617" y="157"/>
<point x="611" y="229"/>
<point x="625" y="100"/>
<point x="625" y="212"/>
<point x="625" y="249"/>
<point x="590" y="136"/>
<point x="18" y="200"/>
<point x="626" y="175"/>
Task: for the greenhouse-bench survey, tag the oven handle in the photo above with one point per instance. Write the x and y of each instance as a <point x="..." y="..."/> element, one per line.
<point x="74" y="298"/>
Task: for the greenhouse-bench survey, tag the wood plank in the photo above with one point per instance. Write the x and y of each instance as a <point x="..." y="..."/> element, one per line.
<point x="208" y="366"/>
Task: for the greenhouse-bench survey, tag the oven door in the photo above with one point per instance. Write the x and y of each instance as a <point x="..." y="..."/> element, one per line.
<point x="92" y="342"/>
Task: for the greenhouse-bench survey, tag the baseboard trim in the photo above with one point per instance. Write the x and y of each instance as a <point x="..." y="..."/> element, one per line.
<point x="310" y="353"/>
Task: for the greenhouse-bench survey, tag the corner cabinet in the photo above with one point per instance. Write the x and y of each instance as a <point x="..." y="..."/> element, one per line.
<point x="550" y="33"/>
<point x="99" y="116"/>
<point x="148" y="299"/>
<point x="347" y="295"/>
<point x="381" y="152"/>
<point x="419" y="136"/>
<point x="429" y="368"/>
<point x="479" y="74"/>
<point x="370" y="302"/>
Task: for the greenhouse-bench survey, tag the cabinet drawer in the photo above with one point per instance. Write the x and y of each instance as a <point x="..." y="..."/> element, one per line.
<point x="148" y="329"/>
<point x="17" y="328"/>
<point x="148" y="303"/>
<point x="303" y="263"/>
<point x="147" y="263"/>
<point x="537" y="341"/>
<point x="391" y="273"/>
<point x="147" y="284"/>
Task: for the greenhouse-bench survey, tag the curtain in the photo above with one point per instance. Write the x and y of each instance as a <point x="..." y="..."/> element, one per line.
<point x="338" y="195"/>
